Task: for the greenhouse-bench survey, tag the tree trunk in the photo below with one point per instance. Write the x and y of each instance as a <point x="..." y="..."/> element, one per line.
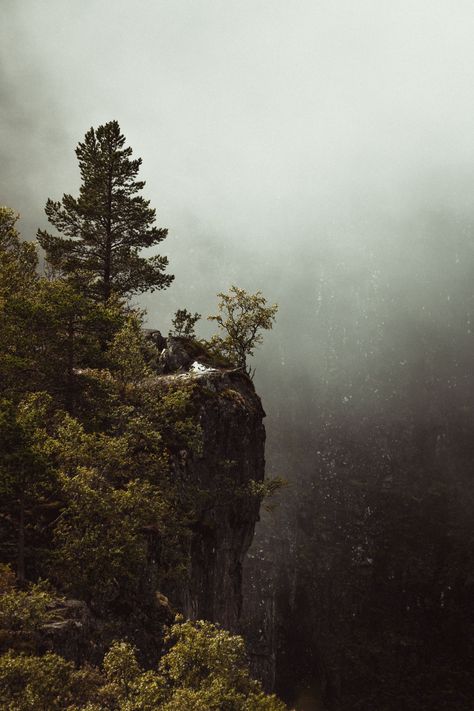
<point x="21" y="540"/>
<point x="108" y="238"/>
<point x="70" y="379"/>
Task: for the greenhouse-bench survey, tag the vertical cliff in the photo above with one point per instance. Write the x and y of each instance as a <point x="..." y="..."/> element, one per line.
<point x="224" y="472"/>
<point x="217" y="479"/>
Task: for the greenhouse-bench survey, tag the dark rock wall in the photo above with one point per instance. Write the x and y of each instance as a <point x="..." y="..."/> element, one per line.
<point x="223" y="475"/>
<point x="231" y="460"/>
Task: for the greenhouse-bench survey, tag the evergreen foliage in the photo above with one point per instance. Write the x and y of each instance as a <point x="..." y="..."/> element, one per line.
<point x="204" y="669"/>
<point x="104" y="229"/>
<point x="184" y="323"/>
<point x="18" y="259"/>
<point x="90" y="505"/>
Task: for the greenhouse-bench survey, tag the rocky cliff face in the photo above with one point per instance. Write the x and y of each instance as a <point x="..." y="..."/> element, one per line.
<point x="226" y="471"/>
<point x="223" y="474"/>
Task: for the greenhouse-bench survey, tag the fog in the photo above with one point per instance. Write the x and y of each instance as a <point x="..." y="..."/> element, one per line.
<point x="321" y="151"/>
<point x="278" y="138"/>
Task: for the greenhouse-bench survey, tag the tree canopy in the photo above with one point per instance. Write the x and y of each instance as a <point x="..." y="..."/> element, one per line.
<point x="104" y="229"/>
<point x="91" y="507"/>
<point x="241" y="318"/>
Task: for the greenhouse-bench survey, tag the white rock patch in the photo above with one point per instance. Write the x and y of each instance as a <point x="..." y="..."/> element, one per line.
<point x="200" y="368"/>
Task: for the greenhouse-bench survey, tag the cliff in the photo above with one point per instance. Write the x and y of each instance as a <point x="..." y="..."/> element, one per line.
<point x="225" y="473"/>
<point x="218" y="479"/>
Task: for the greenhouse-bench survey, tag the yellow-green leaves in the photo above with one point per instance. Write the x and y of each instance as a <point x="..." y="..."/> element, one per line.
<point x="241" y="318"/>
<point x="126" y="355"/>
<point x="23" y="610"/>
<point x="204" y="669"/>
<point x="28" y="683"/>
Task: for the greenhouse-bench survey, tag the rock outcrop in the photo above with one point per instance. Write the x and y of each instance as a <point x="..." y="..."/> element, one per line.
<point x="222" y="475"/>
<point x="226" y="472"/>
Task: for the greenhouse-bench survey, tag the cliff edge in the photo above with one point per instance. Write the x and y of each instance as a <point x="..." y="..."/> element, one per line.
<point x="224" y="472"/>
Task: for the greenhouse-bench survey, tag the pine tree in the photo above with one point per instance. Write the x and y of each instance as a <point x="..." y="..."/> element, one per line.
<point x="107" y="226"/>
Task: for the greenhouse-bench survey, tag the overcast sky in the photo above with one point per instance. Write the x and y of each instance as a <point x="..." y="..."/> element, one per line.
<point x="276" y="137"/>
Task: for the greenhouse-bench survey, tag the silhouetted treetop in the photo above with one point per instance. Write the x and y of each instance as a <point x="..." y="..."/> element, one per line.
<point x="104" y="229"/>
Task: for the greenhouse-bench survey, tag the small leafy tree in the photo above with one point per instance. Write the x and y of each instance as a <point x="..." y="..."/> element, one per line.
<point x="121" y="667"/>
<point x="107" y="226"/>
<point x="25" y="610"/>
<point x="241" y="318"/>
<point x="183" y="323"/>
<point x="31" y="682"/>
<point x="126" y="355"/>
<point x="205" y="669"/>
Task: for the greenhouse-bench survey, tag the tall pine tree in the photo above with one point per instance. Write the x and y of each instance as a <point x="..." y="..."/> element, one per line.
<point x="106" y="227"/>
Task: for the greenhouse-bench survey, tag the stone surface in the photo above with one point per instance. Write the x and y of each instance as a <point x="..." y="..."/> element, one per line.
<point x="178" y="354"/>
<point x="175" y="357"/>
<point x="70" y="633"/>
<point x="156" y="338"/>
<point x="230" y="415"/>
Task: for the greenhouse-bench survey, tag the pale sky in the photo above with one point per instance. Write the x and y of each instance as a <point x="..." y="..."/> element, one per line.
<point x="278" y="138"/>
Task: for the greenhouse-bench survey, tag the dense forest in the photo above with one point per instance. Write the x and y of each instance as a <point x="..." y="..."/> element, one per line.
<point x="200" y="511"/>
<point x="370" y="553"/>
<point x="99" y="525"/>
<point x="358" y="588"/>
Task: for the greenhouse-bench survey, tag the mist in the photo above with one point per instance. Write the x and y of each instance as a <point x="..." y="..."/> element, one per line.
<point x="321" y="152"/>
<point x="277" y="142"/>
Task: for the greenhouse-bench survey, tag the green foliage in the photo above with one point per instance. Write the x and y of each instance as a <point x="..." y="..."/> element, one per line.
<point x="101" y="554"/>
<point x="126" y="355"/>
<point x="241" y="318"/>
<point x="21" y="458"/>
<point x="67" y="334"/>
<point x="50" y="683"/>
<point x="90" y="494"/>
<point x="118" y="500"/>
<point x="172" y="410"/>
<point x="265" y="490"/>
<point x="200" y="648"/>
<point x="28" y="683"/>
<point x="183" y="323"/>
<point x="48" y="330"/>
<point x="18" y="259"/>
<point x="206" y="668"/>
<point x="25" y="610"/>
<point x="26" y="478"/>
<point x="71" y="448"/>
<point x="121" y="667"/>
<point x="18" y="278"/>
<point x="107" y="226"/>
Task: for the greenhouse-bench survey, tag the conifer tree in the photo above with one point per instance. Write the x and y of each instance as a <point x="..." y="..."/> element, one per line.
<point x="106" y="227"/>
